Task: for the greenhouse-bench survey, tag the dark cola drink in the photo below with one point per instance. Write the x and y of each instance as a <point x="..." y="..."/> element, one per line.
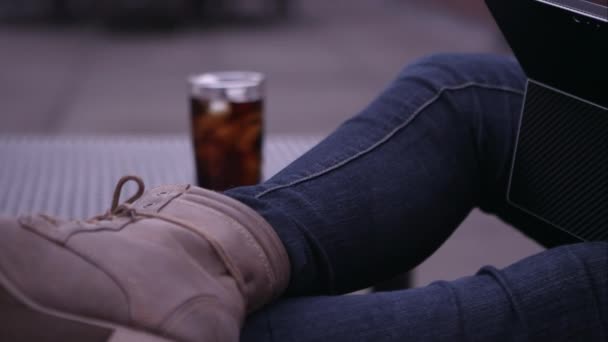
<point x="227" y="128"/>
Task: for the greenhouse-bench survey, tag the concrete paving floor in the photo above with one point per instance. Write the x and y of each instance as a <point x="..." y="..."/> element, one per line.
<point x="324" y="64"/>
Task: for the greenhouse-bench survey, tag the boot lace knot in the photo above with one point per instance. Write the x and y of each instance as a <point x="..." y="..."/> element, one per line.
<point x="125" y="208"/>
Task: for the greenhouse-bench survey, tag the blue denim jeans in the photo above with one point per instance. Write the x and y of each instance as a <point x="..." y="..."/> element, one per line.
<point x="387" y="188"/>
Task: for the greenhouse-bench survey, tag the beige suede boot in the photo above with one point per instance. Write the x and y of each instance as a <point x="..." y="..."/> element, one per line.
<point x="177" y="263"/>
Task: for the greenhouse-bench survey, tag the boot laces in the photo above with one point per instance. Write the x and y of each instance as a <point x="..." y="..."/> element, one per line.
<point x="125" y="208"/>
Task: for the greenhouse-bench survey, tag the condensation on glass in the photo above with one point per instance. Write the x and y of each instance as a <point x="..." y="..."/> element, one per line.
<point x="227" y="128"/>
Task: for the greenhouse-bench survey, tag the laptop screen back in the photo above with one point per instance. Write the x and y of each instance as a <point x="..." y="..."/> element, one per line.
<point x="559" y="172"/>
<point x="560" y="43"/>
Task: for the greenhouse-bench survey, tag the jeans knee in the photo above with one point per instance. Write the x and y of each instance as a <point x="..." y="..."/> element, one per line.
<point x="452" y="69"/>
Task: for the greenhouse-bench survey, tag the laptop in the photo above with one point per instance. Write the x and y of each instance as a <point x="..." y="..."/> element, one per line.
<point x="559" y="171"/>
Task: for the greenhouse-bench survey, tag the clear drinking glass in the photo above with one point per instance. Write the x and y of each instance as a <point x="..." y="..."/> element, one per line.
<point x="227" y="128"/>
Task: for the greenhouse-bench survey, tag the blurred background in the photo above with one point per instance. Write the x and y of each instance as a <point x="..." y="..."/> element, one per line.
<point x="78" y="67"/>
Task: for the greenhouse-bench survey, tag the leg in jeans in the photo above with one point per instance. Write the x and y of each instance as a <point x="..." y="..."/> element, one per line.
<point x="560" y="295"/>
<point x="384" y="191"/>
<point x="387" y="188"/>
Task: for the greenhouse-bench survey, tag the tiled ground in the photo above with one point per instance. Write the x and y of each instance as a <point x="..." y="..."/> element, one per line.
<point x="323" y="66"/>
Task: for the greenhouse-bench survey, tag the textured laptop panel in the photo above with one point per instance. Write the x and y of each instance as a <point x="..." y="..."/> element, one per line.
<point x="74" y="177"/>
<point x="560" y="169"/>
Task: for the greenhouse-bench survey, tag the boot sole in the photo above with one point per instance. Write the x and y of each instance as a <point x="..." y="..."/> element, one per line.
<point x="22" y="320"/>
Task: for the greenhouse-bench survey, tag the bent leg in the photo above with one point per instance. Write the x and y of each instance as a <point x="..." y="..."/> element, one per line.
<point x="560" y="295"/>
<point x="388" y="187"/>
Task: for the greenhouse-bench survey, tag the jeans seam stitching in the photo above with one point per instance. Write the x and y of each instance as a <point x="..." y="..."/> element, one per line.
<point x="594" y="290"/>
<point x="392" y="133"/>
<point x="458" y="304"/>
<point x="512" y="297"/>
